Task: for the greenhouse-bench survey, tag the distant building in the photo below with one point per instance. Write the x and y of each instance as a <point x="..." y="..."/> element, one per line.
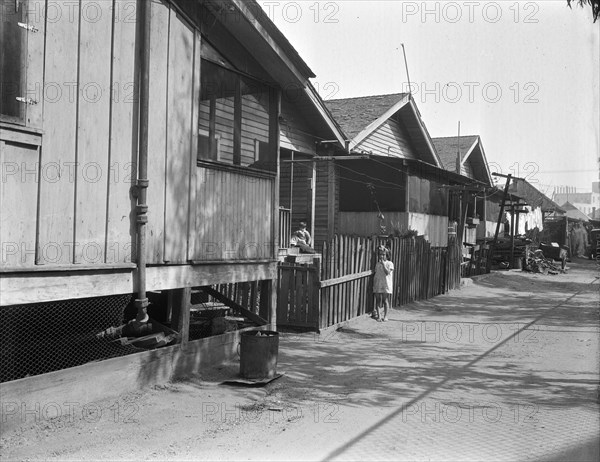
<point x="585" y="202"/>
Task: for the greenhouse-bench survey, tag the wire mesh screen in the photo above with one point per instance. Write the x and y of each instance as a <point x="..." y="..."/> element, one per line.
<point x="46" y="337"/>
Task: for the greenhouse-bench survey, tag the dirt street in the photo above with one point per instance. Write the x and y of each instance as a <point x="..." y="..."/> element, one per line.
<point x="505" y="369"/>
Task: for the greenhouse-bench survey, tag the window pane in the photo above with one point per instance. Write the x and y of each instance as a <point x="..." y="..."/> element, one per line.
<point x="217" y="103"/>
<point x="255" y="123"/>
<point x="12" y="58"/>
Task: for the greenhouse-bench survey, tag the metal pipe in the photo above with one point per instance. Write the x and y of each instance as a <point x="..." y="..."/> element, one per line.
<point x="141" y="302"/>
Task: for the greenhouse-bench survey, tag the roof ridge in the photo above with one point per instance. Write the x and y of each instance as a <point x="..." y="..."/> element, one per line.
<point x="454" y="137"/>
<point x="368" y="96"/>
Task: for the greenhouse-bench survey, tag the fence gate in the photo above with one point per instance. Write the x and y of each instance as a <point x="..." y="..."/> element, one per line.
<point x="298" y="295"/>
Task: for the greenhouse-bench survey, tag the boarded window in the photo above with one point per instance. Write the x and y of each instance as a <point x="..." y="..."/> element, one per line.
<point x="13" y="59"/>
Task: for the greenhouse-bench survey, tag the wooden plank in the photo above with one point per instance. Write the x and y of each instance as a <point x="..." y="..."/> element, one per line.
<point x="19" y="204"/>
<point x="194" y="123"/>
<point x="158" y="113"/>
<point x="347" y="278"/>
<point x="35" y="62"/>
<point x="179" y="150"/>
<point x="57" y="183"/>
<point x="180" y="304"/>
<point x="120" y="235"/>
<point x="93" y="123"/>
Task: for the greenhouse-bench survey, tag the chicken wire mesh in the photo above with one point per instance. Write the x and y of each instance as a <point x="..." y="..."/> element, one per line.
<point x="40" y="338"/>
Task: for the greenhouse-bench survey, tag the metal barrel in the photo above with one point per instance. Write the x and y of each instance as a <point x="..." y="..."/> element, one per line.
<point x="258" y="354"/>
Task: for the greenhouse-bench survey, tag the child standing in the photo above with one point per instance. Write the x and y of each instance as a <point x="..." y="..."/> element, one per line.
<point x="382" y="283"/>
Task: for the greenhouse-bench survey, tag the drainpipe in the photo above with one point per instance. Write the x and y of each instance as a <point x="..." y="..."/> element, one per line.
<point x="141" y="209"/>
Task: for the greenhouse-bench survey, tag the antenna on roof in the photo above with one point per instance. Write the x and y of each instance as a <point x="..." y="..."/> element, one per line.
<point x="407" y="75"/>
<point x="458" y="159"/>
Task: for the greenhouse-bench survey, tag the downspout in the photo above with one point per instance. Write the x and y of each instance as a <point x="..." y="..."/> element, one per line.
<point x="141" y="209"/>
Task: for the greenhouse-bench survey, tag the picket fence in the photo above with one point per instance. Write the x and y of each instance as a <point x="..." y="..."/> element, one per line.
<point x="337" y="286"/>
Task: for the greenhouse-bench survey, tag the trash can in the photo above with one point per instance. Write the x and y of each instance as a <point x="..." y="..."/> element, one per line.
<point x="258" y="354"/>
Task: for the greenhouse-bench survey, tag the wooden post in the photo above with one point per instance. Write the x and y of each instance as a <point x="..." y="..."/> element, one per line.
<point x="274" y="144"/>
<point x="512" y="235"/>
<point x="292" y="187"/>
<point x="508" y="177"/>
<point x="407" y="194"/>
<point x="313" y="196"/>
<point x="179" y="301"/>
<point x="331" y="209"/>
<point x="315" y="291"/>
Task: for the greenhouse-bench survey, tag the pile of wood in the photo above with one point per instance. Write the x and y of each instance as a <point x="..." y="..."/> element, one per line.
<point x="536" y="262"/>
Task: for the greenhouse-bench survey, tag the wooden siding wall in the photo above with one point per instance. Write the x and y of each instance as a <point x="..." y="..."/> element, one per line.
<point x="326" y="202"/>
<point x="234" y="216"/>
<point x="390" y="139"/>
<point x="367" y="224"/>
<point x="467" y="169"/>
<point x="295" y="130"/>
<point x="77" y="206"/>
<point x="174" y="87"/>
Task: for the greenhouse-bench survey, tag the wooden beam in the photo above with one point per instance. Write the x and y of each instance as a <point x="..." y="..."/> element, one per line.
<point x="21" y="288"/>
<point x="179" y="306"/>
<point x="313" y="197"/>
<point x="347" y="278"/>
<point x="331" y="208"/>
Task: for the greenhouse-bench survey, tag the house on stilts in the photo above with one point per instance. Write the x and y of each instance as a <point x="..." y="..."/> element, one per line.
<point x="140" y="154"/>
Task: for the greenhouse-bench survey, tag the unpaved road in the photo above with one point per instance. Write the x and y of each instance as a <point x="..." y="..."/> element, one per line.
<point x="504" y="369"/>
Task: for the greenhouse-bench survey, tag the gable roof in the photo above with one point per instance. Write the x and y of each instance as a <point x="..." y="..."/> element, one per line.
<point x="471" y="150"/>
<point x="521" y="188"/>
<point x="354" y="114"/>
<point x="447" y="148"/>
<point x="359" y="117"/>
<point x="574" y="212"/>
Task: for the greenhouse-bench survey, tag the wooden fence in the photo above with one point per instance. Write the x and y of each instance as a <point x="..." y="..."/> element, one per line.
<point x="338" y="286"/>
<point x="480" y="261"/>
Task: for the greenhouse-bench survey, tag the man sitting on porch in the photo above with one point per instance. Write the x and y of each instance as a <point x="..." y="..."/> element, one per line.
<point x="301" y="238"/>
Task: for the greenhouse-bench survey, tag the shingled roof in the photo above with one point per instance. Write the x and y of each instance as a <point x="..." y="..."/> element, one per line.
<point x="523" y="189"/>
<point x="354" y="114"/>
<point x="446" y="148"/>
<point x="574" y="213"/>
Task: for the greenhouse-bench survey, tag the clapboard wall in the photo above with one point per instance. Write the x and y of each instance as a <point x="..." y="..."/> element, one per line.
<point x="390" y="139"/>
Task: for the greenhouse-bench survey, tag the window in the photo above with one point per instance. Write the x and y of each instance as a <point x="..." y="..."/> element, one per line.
<point x="13" y="59"/>
<point x="235" y="118"/>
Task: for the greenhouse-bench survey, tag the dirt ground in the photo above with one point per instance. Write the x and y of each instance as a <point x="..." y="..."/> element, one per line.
<point x="507" y="368"/>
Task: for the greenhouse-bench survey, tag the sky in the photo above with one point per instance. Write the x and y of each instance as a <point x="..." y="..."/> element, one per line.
<point x="525" y="76"/>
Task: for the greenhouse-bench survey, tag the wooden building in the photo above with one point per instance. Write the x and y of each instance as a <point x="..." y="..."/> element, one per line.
<point x="465" y="155"/>
<point x="390" y="180"/>
<point x="140" y="154"/>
